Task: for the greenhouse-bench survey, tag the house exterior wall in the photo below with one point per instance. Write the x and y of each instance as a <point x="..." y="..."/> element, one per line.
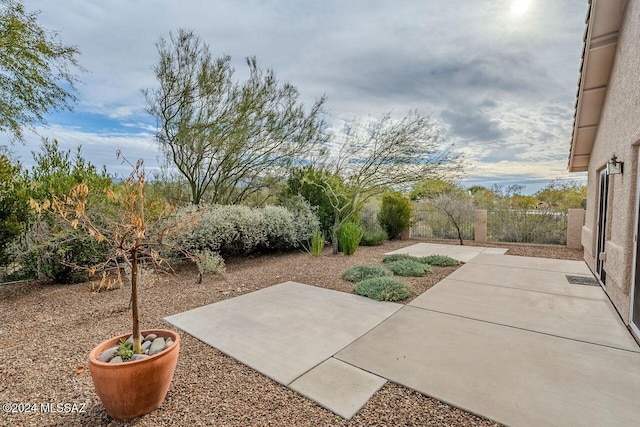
<point x="618" y="133"/>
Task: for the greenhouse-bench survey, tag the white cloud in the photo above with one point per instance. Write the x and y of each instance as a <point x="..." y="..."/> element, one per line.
<point x="505" y="87"/>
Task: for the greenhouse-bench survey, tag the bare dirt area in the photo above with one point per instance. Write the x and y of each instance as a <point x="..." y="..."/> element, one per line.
<point x="47" y="331"/>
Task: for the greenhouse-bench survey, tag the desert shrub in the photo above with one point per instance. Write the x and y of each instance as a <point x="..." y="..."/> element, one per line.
<point x="373" y="238"/>
<point x="208" y="262"/>
<point x="395" y="214"/>
<point x="59" y="260"/>
<point x="372" y="233"/>
<point x="50" y="248"/>
<point x="279" y="228"/>
<point x="361" y="272"/>
<point x="399" y="257"/>
<point x="409" y="268"/>
<point x="14" y="207"/>
<point x="305" y="220"/>
<point x="440" y="261"/>
<point x="308" y="182"/>
<point x="384" y="289"/>
<point x="317" y="243"/>
<point x="238" y="230"/>
<point x="349" y="237"/>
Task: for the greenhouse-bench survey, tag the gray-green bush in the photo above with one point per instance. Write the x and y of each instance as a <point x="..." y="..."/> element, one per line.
<point x="439" y="261"/>
<point x="361" y="272"/>
<point x="399" y="257"/>
<point x="384" y="289"/>
<point x="237" y="230"/>
<point x="409" y="268"/>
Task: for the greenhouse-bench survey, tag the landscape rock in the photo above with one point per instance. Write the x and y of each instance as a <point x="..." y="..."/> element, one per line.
<point x="168" y="343"/>
<point x="108" y="354"/>
<point x="129" y="340"/>
<point x="150" y="337"/>
<point x="116" y="359"/>
<point x="139" y="357"/>
<point x="156" y="346"/>
<point x="146" y="345"/>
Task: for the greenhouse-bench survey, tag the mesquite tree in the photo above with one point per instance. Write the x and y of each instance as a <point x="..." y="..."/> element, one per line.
<point x="380" y="154"/>
<point x="35" y="70"/>
<point x="227" y="138"/>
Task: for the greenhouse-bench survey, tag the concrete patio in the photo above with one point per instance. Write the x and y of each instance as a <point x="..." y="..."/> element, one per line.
<point x="505" y="337"/>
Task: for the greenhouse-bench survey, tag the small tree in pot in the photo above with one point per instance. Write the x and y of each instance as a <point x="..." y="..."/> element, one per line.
<point x="135" y="228"/>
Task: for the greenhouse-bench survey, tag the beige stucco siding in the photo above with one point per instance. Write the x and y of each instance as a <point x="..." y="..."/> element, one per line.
<point x="618" y="133"/>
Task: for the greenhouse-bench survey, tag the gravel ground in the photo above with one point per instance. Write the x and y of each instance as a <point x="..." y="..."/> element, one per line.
<point x="47" y="331"/>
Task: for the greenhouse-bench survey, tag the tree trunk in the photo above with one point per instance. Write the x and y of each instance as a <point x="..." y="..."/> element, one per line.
<point x="334" y="235"/>
<point x="459" y="235"/>
<point x="137" y="339"/>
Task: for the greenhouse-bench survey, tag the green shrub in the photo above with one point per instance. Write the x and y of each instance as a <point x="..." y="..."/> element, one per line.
<point x="361" y="272"/>
<point x="317" y="243"/>
<point x="373" y="234"/>
<point x="395" y="214"/>
<point x="440" y="261"/>
<point x="49" y="247"/>
<point x="349" y="237"/>
<point x="410" y="268"/>
<point x="373" y="238"/>
<point x="399" y="257"/>
<point x="14" y="207"/>
<point x="384" y="289"/>
<point x="308" y="182"/>
<point x="59" y="261"/>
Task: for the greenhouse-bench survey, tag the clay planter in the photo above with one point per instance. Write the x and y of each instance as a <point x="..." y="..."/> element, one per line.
<point x="131" y="389"/>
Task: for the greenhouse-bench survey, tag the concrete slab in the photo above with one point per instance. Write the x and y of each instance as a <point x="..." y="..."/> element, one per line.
<point x="285" y="330"/>
<point x="589" y="320"/>
<point x="513" y="376"/>
<point x="338" y="386"/>
<point x="531" y="263"/>
<point x="529" y="279"/>
<point x="461" y="253"/>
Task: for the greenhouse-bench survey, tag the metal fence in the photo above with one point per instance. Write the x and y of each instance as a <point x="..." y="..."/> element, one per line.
<point x="541" y="227"/>
<point x="434" y="224"/>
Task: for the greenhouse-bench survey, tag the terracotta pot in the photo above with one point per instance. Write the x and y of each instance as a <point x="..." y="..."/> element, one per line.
<point x="131" y="389"/>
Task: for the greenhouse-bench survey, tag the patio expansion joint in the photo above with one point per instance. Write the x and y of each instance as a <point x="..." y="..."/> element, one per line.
<point x="546" y="270"/>
<point x="527" y="330"/>
<point x="334" y="354"/>
<point x="520" y="289"/>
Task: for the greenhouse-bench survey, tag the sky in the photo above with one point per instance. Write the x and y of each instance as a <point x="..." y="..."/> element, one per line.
<point x="499" y="75"/>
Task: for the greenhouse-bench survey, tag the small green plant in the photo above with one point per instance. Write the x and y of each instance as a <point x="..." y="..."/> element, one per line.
<point x="349" y="237"/>
<point x="399" y="257"/>
<point x="373" y="237"/>
<point x="125" y="350"/>
<point x="440" y="261"/>
<point x="384" y="289"/>
<point x="409" y="268"/>
<point x="208" y="262"/>
<point x="317" y="243"/>
<point x="361" y="272"/>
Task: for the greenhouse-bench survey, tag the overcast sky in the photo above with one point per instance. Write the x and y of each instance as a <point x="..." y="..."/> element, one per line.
<point x="500" y="76"/>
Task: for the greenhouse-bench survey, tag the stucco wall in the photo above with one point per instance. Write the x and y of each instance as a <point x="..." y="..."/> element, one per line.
<point x="618" y="133"/>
